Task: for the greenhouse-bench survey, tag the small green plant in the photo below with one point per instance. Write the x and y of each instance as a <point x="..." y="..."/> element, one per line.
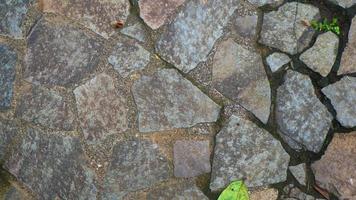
<point x="237" y="190"/>
<point x="325" y="25"/>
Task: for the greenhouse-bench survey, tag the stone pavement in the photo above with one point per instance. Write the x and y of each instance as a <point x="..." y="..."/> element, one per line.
<point x="183" y="98"/>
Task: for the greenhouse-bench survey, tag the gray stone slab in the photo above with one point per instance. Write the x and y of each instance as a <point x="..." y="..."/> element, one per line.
<point x="276" y="61"/>
<point x="191" y="36"/>
<point x="59" y="54"/>
<point x="8" y="59"/>
<point x="167" y="101"/>
<point x="303" y="121"/>
<point x="245" y="151"/>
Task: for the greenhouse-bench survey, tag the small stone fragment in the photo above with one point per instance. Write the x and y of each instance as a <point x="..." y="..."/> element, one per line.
<point x="238" y="73"/>
<point x="246" y="25"/>
<point x="191" y="36"/>
<point x="303" y="121"/>
<point x="8" y="131"/>
<point x="335" y="171"/>
<point x="128" y="57"/>
<point x="291" y="192"/>
<point x="343" y="98"/>
<point x="264" y="194"/>
<point x="136" y="31"/>
<point x="59" y="54"/>
<point x="261" y="3"/>
<point x="12" y="15"/>
<point x="283" y="30"/>
<point x="299" y="172"/>
<point x="191" y="158"/>
<point x="322" y="55"/>
<point x="47" y="108"/>
<point x="96" y="15"/>
<point x="344" y="3"/>
<point x="102" y="109"/>
<point x="156" y="13"/>
<point x="245" y="151"/>
<point x="183" y="191"/>
<point x="347" y="64"/>
<point x="277" y="60"/>
<point x="136" y="164"/>
<point x="8" y="59"/>
<point x="52" y="166"/>
<point x="167" y="101"/>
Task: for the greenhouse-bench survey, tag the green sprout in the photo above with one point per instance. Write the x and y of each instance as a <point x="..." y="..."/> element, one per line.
<point x="325" y="25"/>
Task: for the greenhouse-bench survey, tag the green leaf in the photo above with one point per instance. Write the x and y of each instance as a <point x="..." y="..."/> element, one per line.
<point x="237" y="190"/>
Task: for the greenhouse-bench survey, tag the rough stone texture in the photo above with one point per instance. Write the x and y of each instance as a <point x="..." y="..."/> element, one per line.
<point x="322" y="55"/>
<point x="276" y="60"/>
<point x="52" y="166"/>
<point x="136" y="31"/>
<point x="238" y="73"/>
<point x="102" y="109"/>
<point x="190" y="37"/>
<point x="59" y="54"/>
<point x="335" y="171"/>
<point x="128" y="56"/>
<point x="8" y="131"/>
<point x="344" y="3"/>
<point x="136" y="164"/>
<point x="294" y="193"/>
<point x="299" y="172"/>
<point x="167" y="100"/>
<point x="260" y="3"/>
<point x="13" y="193"/>
<point x="343" y="98"/>
<point x="12" y="15"/>
<point x="278" y="27"/>
<point x="156" y="13"/>
<point x="245" y="151"/>
<point x="265" y="194"/>
<point x="8" y="59"/>
<point x="184" y="191"/>
<point x="47" y="108"/>
<point x="303" y="121"/>
<point x="347" y="64"/>
<point x="246" y="26"/>
<point x="97" y="15"/>
<point x="191" y="158"/>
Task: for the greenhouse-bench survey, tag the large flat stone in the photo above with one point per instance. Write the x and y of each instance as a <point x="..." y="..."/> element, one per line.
<point x="284" y="30"/>
<point x="8" y="131"/>
<point x="183" y="191"/>
<point x="59" y="54"/>
<point x="343" y="98"/>
<point x="128" y="56"/>
<point x="335" y="171"/>
<point x="12" y="15"/>
<point x="191" y="158"/>
<point x="8" y="59"/>
<point x="344" y="3"/>
<point x="167" y="101"/>
<point x="47" y="108"/>
<point x="303" y="121"/>
<point x="238" y="73"/>
<point x="347" y="64"/>
<point x="97" y="15"/>
<point x="190" y="37"/>
<point x="136" y="164"/>
<point x="245" y="151"/>
<point x="102" y="109"/>
<point x="156" y="13"/>
<point x="51" y="166"/>
<point x="321" y="57"/>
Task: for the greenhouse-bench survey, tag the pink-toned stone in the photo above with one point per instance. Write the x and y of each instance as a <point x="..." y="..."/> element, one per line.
<point x="102" y="109"/>
<point x="264" y="194"/>
<point x="335" y="171"/>
<point x="96" y="15"/>
<point x="348" y="64"/>
<point x="155" y="13"/>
